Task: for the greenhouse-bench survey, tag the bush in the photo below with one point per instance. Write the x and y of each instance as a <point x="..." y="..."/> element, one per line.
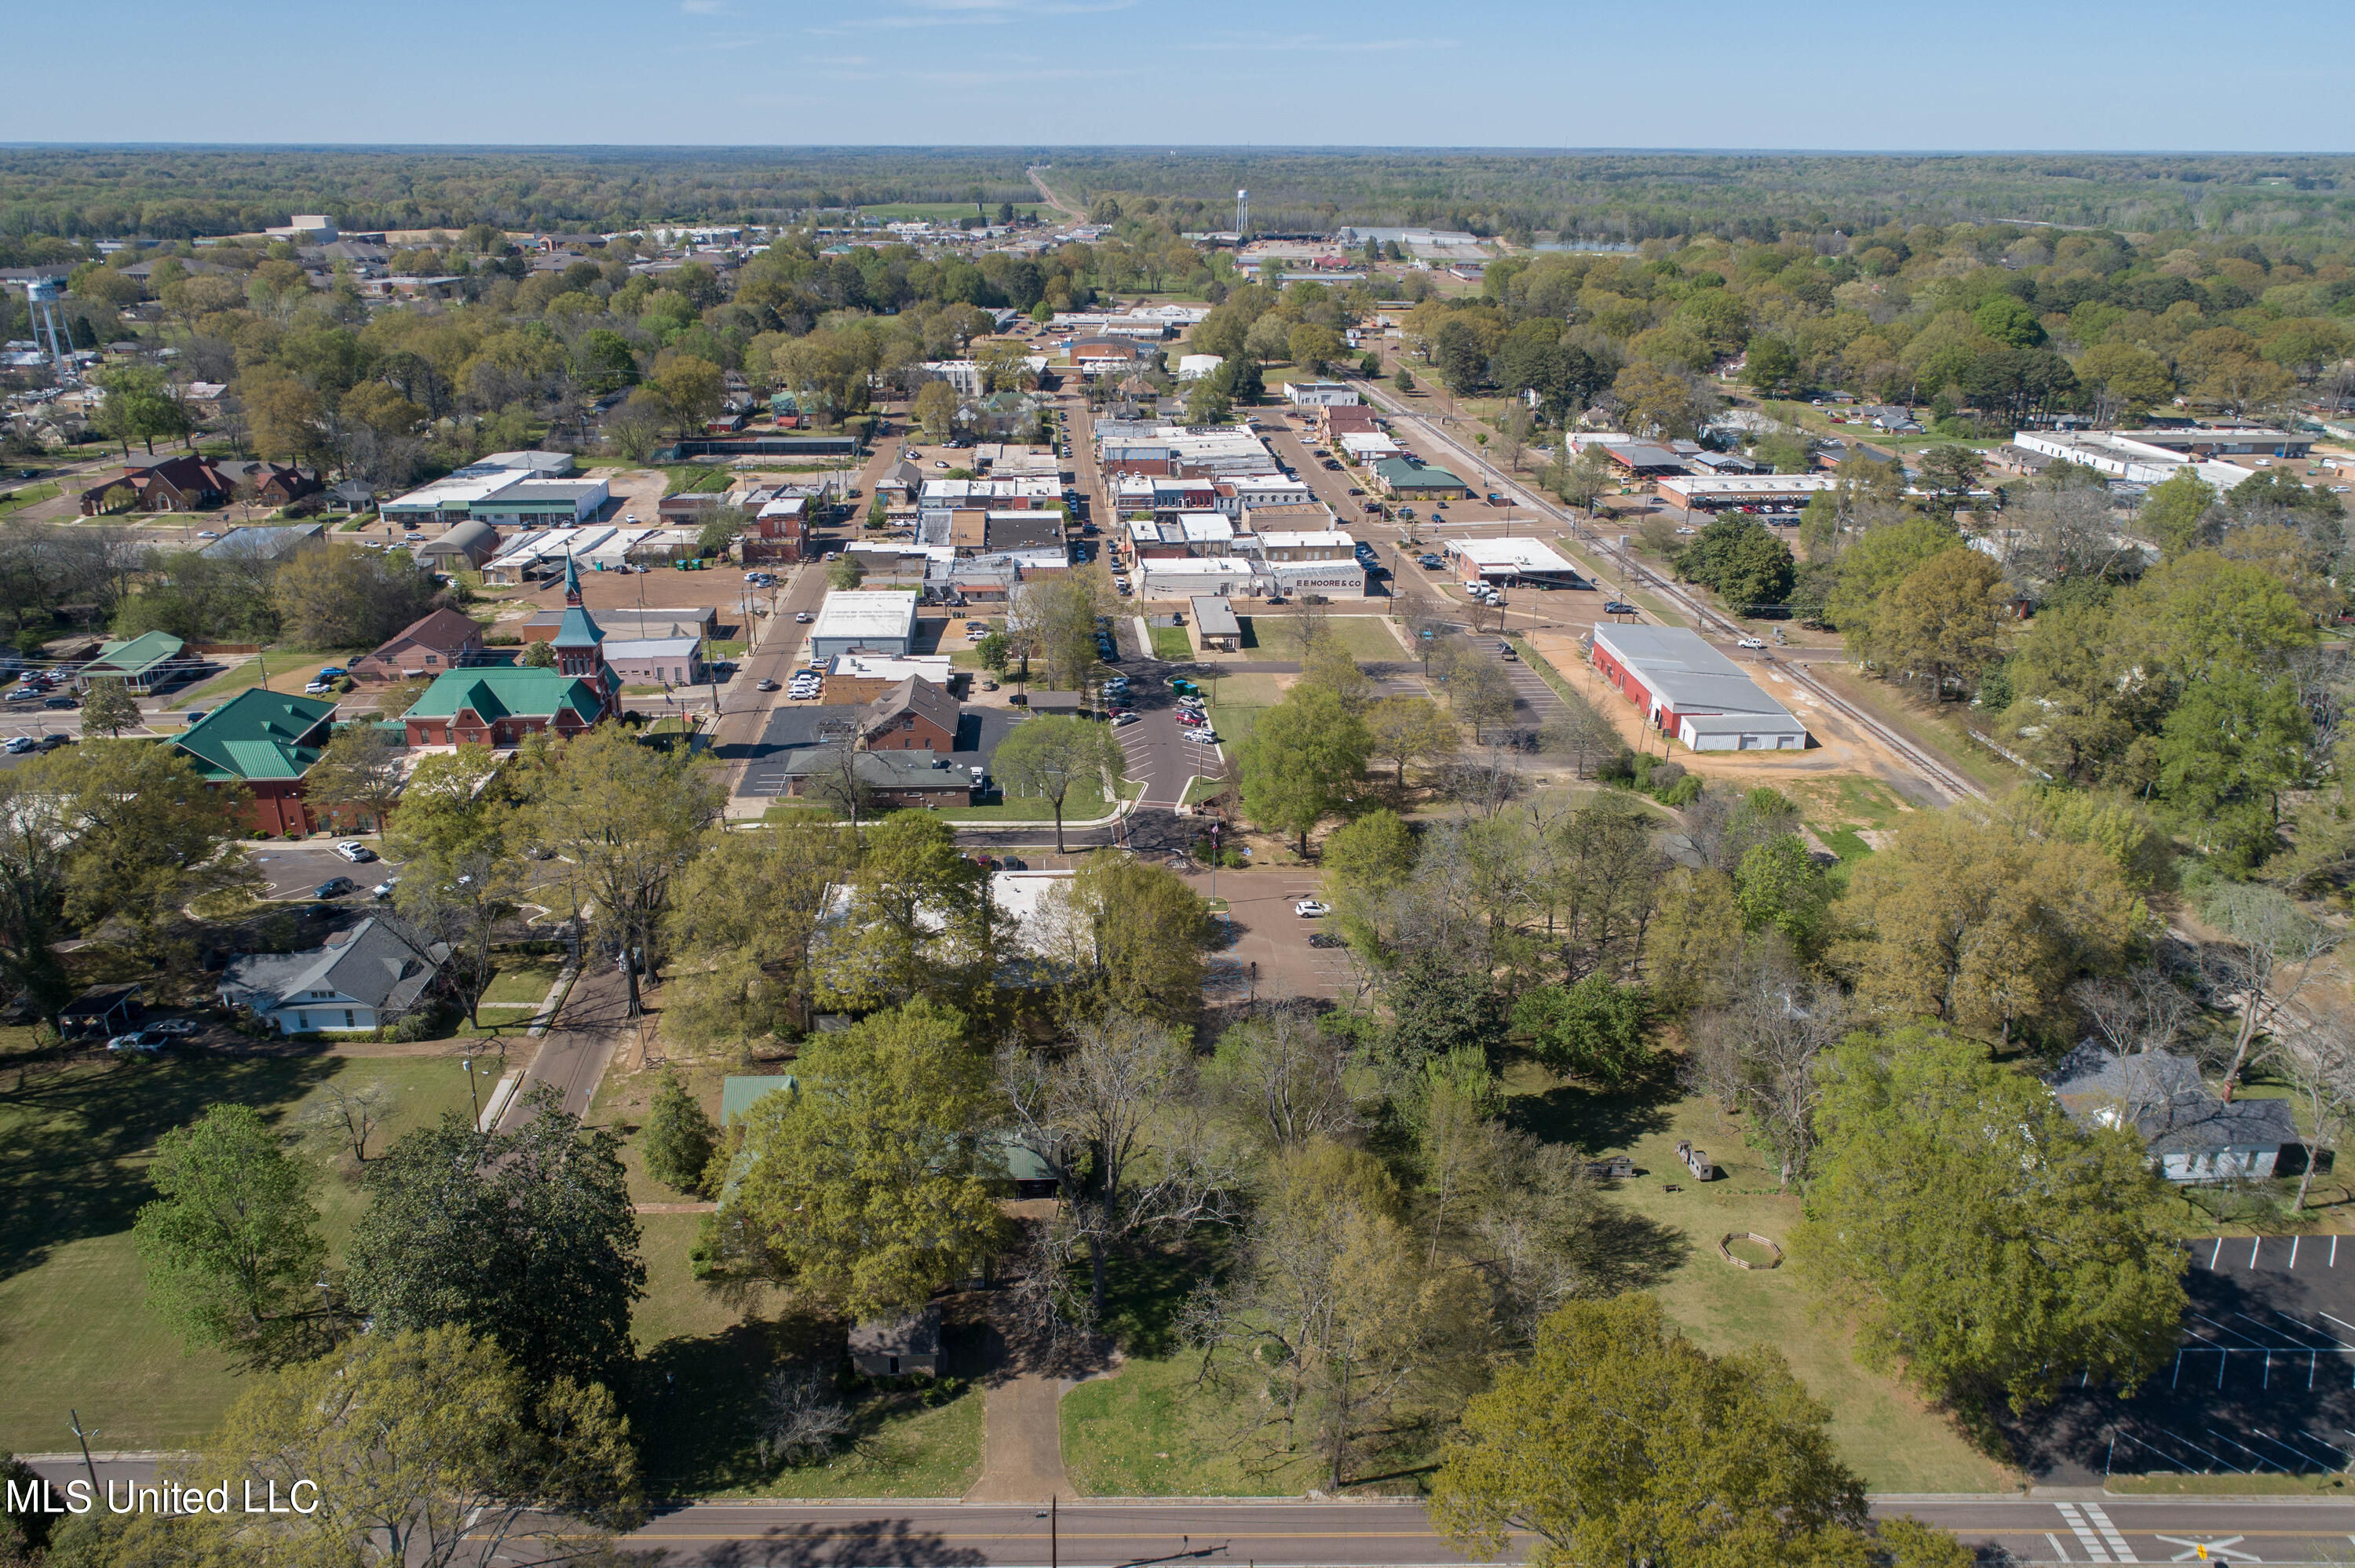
<point x="1683" y="792"/>
<point x="1617" y="770"/>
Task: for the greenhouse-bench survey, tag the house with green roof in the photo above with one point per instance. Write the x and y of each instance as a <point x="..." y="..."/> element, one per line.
<point x="143" y="664"/>
<point x="268" y="742"/>
<point x="498" y="705"/>
<point x="1402" y="479"/>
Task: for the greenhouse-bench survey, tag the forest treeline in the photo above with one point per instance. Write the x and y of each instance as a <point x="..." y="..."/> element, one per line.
<point x="184" y="192"/>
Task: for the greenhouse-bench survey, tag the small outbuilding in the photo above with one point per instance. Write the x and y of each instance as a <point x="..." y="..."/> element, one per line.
<point x="899" y="1347"/>
<point x="1216" y="628"/>
<point x="102" y="1011"/>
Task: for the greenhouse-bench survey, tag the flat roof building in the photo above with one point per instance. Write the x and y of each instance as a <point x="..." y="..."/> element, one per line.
<point x="871" y="622"/>
<point x="1709" y="493"/>
<point x="1687" y="689"/>
<point x="1513" y="561"/>
<point x="1215" y="626"/>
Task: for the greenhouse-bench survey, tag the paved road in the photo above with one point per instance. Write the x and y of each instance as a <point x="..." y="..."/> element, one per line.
<point x="573" y="1055"/>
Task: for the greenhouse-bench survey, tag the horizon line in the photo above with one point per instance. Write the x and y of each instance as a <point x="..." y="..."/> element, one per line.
<point x="1248" y="149"/>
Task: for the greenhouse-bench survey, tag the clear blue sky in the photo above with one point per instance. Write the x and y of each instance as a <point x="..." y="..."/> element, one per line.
<point x="1995" y="75"/>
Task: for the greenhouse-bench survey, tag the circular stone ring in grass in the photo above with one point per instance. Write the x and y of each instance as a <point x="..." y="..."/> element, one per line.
<point x="1725" y="1249"/>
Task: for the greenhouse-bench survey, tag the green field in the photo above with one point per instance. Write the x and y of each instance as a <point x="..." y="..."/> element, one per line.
<point x="1366" y="638"/>
<point x="17" y="500"/>
<point x="288" y="669"/>
<point x="75" y="1142"/>
<point x="1236" y="702"/>
<point x="1170" y="642"/>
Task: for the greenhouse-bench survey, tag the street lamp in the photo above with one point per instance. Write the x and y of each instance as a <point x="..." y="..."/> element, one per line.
<point x="468" y="1063"/>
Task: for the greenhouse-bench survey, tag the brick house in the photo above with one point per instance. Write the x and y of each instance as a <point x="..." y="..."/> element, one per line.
<point x="441" y="640"/>
<point x="266" y="741"/>
<point x="913" y="715"/>
<point x="497" y="704"/>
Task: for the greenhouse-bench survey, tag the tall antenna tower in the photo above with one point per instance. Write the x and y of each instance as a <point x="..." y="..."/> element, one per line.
<point x="1242" y="212"/>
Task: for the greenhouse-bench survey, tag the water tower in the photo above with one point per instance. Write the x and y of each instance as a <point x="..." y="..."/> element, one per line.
<point x="1242" y="212"/>
<point x="41" y="295"/>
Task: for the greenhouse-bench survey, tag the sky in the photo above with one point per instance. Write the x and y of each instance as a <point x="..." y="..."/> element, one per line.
<point x="1997" y="75"/>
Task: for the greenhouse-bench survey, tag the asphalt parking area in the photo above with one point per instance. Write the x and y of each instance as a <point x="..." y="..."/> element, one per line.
<point x="2262" y="1382"/>
<point x="294" y="869"/>
<point x="1269" y="957"/>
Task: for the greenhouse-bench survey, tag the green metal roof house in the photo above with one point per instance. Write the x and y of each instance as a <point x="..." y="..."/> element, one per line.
<point x="267" y="741"/>
<point x="145" y="663"/>
<point x="1404" y="480"/>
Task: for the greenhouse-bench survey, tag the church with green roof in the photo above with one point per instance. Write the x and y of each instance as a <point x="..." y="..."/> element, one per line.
<point x="266" y="741"/>
<point x="498" y="705"/>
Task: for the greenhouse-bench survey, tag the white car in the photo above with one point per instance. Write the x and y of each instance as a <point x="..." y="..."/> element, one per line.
<point x="1309" y="909"/>
<point x="1119" y="721"/>
<point x="1748" y="643"/>
<point x="318" y="688"/>
<point x="355" y="852"/>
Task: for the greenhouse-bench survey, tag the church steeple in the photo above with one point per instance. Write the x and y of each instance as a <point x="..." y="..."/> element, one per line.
<point x="571" y="582"/>
<point x="579" y="639"/>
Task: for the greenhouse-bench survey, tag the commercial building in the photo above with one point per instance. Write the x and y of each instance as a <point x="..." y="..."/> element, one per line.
<point x="266" y="741"/>
<point x="1216" y="630"/>
<point x="1402" y="479"/>
<point x="869" y="623"/>
<point x="914" y="715"/>
<point x="860" y="678"/>
<point x="1775" y="491"/>
<point x="1513" y="561"/>
<point x="542" y="504"/>
<point x="1320" y="395"/>
<point x="1687" y="689"/>
<point x="2123" y="458"/>
<point x="467" y="546"/>
<point x="657" y="660"/>
<point x="2220" y="440"/>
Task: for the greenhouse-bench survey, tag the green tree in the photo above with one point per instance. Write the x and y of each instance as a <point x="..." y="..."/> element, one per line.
<point x="745" y="929"/>
<point x="363" y="768"/>
<point x="919" y="921"/>
<point x="1594" y="1028"/>
<point x="526" y="1236"/>
<point x="2227" y="753"/>
<point x="1315" y="348"/>
<point x="537" y="655"/>
<point x="679" y="1138"/>
<point x="1778" y="885"/>
<point x="416" y="1449"/>
<point x="934" y="410"/>
<point x="1989" y="1243"/>
<point x="1951" y="472"/>
<point x="1771" y="365"/>
<point x="1745" y="562"/>
<point x="690" y="390"/>
<point x="1050" y="757"/>
<point x="108" y="709"/>
<point x="139" y="406"/>
<point x="1407" y="729"/>
<point x="1942" y="622"/>
<point x="845" y="575"/>
<point x="331" y="597"/>
<point x="1135" y="937"/>
<point x="149" y="834"/>
<point x="1877" y="561"/>
<point x="231" y="1246"/>
<point x="1620" y="1442"/>
<point x="1402" y="378"/>
<point x="864" y="1186"/>
<point x="1301" y="761"/>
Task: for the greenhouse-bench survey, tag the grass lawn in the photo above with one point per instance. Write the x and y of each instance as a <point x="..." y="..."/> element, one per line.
<point x="733" y="648"/>
<point x="1366" y="638"/>
<point x="1077" y="808"/>
<point x="523" y="979"/>
<point x="289" y="668"/>
<point x="1171" y="642"/>
<point x="1884" y="1430"/>
<point x="1938" y="728"/>
<point x="74" y="1147"/>
<point x="15" y="499"/>
<point x="1840" y="811"/>
<point x="1236" y="702"/>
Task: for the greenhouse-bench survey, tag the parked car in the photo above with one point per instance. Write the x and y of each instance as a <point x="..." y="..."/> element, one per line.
<point x="334" y="887"/>
<point x="1325" y="939"/>
<point x="355" y="852"/>
<point x="51" y="742"/>
<point x="172" y="1028"/>
<point x="20" y="744"/>
<point x="765" y="685"/>
<point x="1431" y="563"/>
<point x="1125" y="716"/>
<point x="1505" y="650"/>
<point x="318" y="688"/>
<point x="1309" y="909"/>
<point x="1749" y="643"/>
<point x="1614" y="606"/>
<point x="138" y="1039"/>
<point x="383" y="891"/>
<point x="802" y="618"/>
<point x="60" y="702"/>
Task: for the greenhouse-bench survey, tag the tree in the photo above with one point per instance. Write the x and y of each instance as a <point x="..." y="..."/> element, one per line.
<point x="108" y="709"/>
<point x="139" y="406"/>
<point x="744" y="926"/>
<point x="1621" y="1442"/>
<point x="679" y="1138"/>
<point x="1952" y="473"/>
<point x="1402" y="378"/>
<point x="231" y="1246"/>
<point x="537" y="655"/>
<point x="2227" y="753"/>
<point x="934" y="410"/>
<point x="1481" y="693"/>
<point x="1778" y="886"/>
<point x="1880" y="559"/>
<point x="864" y="1186"/>
<point x="919" y="921"/>
<point x="1300" y="760"/>
<point x="2272" y="948"/>
<point x="362" y="767"/>
<point x="332" y="597"/>
<point x="1594" y="1029"/>
<point x="1049" y="758"/>
<point x="1942" y="621"/>
<point x="1771" y="366"/>
<point x="1748" y="564"/>
<point x="1054" y="618"/>
<point x="1133" y="936"/>
<point x="345" y="1114"/>
<point x="1989" y="1243"/>
<point x="148" y="834"/>
<point x="1315" y="348"/>
<point x="2175" y="511"/>
<point x="414" y="1449"/>
<point x="689" y="390"/>
<point x="1408" y="729"/>
<point x="526" y="1237"/>
<point x="1116" y="1118"/>
<point x="1762" y="1051"/>
<point x="627" y="816"/>
<point x="846" y="573"/>
<point x="1969" y="922"/>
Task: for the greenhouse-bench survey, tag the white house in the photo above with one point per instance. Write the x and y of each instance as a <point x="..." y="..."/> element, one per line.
<point x="1320" y="395"/>
<point x="361" y="980"/>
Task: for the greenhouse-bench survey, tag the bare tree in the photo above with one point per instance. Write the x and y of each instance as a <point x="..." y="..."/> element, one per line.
<point x="797" y="1420"/>
<point x="1286" y="1077"/>
<point x="2319" y="1072"/>
<point x="2270" y="951"/>
<point x="1760" y="1052"/>
<point x="1118" y="1119"/>
<point x="346" y="1114"/>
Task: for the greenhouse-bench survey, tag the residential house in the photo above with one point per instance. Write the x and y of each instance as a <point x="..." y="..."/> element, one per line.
<point x="360" y="981"/>
<point x="2193" y="1136"/>
<point x="145" y="663"/>
<point x="434" y="643"/>
<point x="185" y="483"/>
<point x="265" y="741"/>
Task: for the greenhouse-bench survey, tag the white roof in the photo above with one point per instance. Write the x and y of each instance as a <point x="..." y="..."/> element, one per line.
<point x="1335" y="537"/>
<point x="551" y="543"/>
<point x="1368" y="442"/>
<point x="875" y="667"/>
<point x="1205" y="526"/>
<point x="1517" y="555"/>
<point x="1193" y="365"/>
<point x="1746" y="484"/>
<point x="1195" y="566"/>
<point x="654" y="648"/>
<point x="1700" y="684"/>
<point x="865" y="614"/>
<point x="460" y="490"/>
<point x="785" y="506"/>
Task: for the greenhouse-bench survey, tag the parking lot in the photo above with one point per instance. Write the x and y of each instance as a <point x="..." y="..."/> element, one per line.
<point x="2263" y="1381"/>
<point x="1269" y="956"/>
<point x="295" y="869"/>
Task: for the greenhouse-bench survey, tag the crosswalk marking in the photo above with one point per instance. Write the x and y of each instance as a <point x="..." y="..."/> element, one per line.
<point x="2094" y="1551"/>
<point x="2117" y="1543"/>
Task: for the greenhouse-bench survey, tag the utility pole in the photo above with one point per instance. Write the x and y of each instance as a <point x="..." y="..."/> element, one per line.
<point x="84" y="1438"/>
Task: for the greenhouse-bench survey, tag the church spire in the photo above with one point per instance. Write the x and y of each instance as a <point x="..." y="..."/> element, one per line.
<point x="572" y="582"/>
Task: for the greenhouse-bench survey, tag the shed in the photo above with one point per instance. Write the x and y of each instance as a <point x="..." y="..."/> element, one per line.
<point x="102" y="1011"/>
<point x="1056" y="702"/>
<point x="1215" y="625"/>
<point x="900" y="1347"/>
<point x="738" y="1095"/>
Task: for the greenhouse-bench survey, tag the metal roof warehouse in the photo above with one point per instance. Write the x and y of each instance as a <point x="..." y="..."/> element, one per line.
<point x="1689" y="688"/>
<point x="1514" y="560"/>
